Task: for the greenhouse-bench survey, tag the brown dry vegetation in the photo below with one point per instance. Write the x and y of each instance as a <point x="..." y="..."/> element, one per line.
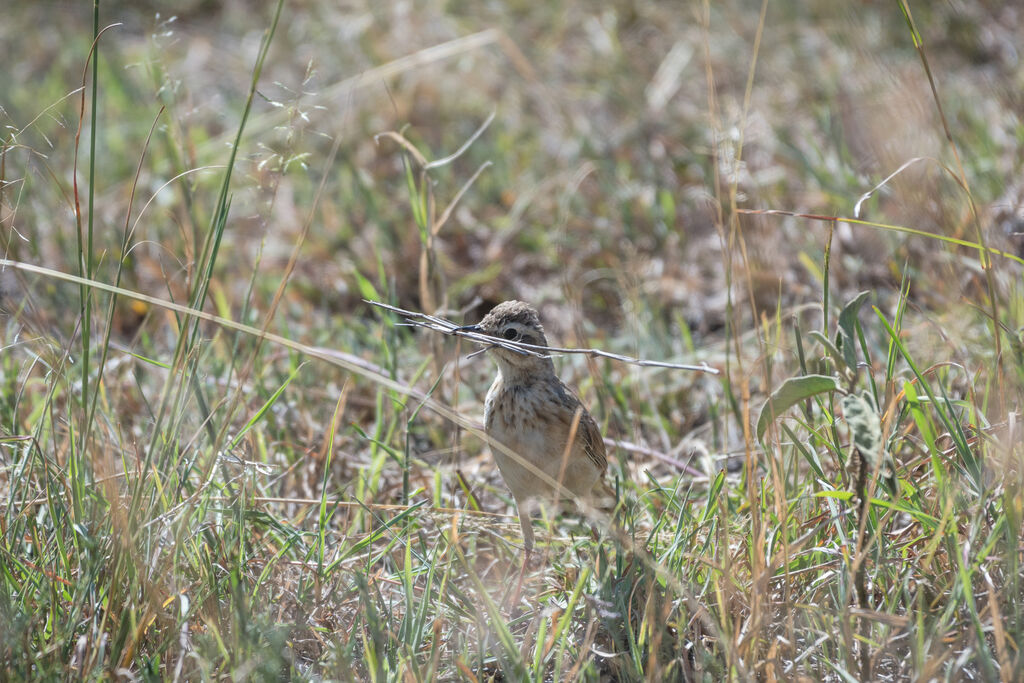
<point x="182" y="500"/>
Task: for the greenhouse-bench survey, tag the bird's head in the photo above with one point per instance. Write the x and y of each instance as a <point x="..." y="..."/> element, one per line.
<point x="514" y="321"/>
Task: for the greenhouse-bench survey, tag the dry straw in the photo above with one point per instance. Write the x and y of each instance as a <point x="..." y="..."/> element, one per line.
<point x="438" y="324"/>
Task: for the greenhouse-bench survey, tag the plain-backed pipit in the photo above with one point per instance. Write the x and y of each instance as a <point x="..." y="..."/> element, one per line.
<point x="556" y="450"/>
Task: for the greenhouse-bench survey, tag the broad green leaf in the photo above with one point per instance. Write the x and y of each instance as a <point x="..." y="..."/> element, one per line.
<point x="848" y="329"/>
<point x="861" y="415"/>
<point x="865" y="425"/>
<point x="791" y="392"/>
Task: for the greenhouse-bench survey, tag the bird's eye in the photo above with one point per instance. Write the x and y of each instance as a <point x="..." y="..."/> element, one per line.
<point x="510" y="333"/>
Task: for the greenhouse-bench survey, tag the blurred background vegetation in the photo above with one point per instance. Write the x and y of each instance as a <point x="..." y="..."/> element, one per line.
<point x="181" y="520"/>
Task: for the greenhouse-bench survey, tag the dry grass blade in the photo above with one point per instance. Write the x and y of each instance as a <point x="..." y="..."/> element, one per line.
<point x="438" y="324"/>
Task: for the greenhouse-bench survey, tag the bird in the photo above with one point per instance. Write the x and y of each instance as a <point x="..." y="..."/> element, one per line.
<point x="549" y="446"/>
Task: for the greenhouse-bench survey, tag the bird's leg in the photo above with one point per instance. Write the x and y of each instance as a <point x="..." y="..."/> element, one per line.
<point x="524" y="522"/>
<point x="527" y="525"/>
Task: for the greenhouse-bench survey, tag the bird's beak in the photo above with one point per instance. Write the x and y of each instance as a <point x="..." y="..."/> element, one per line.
<point x="474" y="328"/>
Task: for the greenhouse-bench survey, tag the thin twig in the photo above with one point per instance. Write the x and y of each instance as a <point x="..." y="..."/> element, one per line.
<point x="433" y="322"/>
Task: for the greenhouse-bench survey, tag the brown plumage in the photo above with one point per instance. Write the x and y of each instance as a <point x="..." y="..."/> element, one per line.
<point x="533" y="414"/>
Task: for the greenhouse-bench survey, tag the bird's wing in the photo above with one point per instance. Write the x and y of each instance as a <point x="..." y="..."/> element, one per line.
<point x="587" y="432"/>
<point x="592" y="441"/>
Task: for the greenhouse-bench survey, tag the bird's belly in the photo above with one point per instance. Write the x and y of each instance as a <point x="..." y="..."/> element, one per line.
<point x="519" y="468"/>
<point x="537" y="444"/>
